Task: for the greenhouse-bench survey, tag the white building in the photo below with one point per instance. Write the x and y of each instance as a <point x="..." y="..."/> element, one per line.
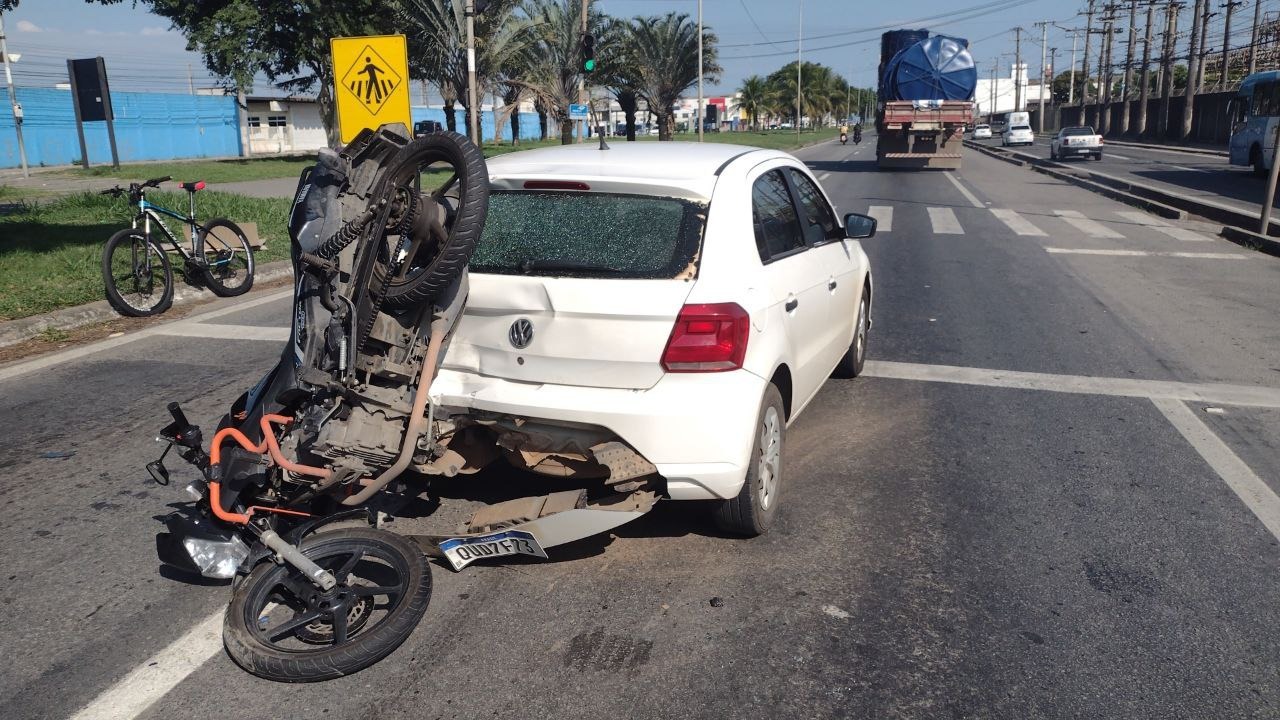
<point x="273" y="126"/>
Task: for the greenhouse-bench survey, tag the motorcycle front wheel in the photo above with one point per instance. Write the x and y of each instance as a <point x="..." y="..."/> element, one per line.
<point x="281" y="627"/>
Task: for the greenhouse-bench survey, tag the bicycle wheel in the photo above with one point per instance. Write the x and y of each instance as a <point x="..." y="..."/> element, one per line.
<point x="228" y="258"/>
<point x="137" y="275"/>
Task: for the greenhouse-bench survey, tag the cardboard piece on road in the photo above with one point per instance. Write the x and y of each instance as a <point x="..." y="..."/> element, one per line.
<point x="371" y="82"/>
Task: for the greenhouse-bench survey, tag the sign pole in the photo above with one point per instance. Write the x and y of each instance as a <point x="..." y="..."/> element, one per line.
<point x="13" y="101"/>
<point x="75" y="102"/>
<point x="472" y="111"/>
<point x="105" y="92"/>
<point x="1270" y="198"/>
<point x="698" y="114"/>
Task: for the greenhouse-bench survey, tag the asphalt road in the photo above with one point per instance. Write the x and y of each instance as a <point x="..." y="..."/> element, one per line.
<point x="1198" y="175"/>
<point x="1053" y="495"/>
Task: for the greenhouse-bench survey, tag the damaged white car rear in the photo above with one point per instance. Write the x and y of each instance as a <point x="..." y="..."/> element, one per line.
<point x="652" y="317"/>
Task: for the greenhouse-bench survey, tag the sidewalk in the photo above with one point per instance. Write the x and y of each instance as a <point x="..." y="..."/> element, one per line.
<point x="1200" y="149"/>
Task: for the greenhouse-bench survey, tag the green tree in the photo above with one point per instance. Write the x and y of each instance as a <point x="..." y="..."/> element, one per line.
<point x="754" y="99"/>
<point x="666" y="55"/>
<point x="287" y="42"/>
<point x="550" y="74"/>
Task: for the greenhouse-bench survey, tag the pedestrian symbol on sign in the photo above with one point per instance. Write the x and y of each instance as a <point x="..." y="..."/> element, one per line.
<point x="371" y="79"/>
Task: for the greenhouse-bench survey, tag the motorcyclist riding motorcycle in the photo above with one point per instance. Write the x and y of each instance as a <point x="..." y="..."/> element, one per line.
<point x="857" y="133"/>
<point x="844" y="134"/>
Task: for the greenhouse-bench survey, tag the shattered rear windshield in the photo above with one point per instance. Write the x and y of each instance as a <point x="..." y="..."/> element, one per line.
<point x="597" y="235"/>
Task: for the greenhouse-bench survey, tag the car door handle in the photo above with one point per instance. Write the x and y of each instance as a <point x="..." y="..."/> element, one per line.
<point x="831" y="284"/>
<point x="792" y="305"/>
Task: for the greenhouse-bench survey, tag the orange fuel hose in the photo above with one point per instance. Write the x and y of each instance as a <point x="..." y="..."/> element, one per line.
<point x="268" y="445"/>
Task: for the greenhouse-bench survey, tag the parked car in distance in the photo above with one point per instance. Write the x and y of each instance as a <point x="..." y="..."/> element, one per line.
<point x="1018" y="135"/>
<point x="612" y="294"/>
<point x="422" y="127"/>
<point x="1080" y="141"/>
<point x="982" y="132"/>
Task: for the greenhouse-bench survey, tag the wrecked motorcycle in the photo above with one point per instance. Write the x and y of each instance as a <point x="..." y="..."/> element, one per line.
<point x="302" y="471"/>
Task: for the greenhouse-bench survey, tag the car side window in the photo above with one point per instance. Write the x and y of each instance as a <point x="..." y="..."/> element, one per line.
<point x="818" y="219"/>
<point x="777" y="224"/>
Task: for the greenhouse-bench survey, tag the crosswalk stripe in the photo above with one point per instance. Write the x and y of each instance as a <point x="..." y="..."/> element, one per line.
<point x="1159" y="226"/>
<point x="1018" y="224"/>
<point x="883" y="215"/>
<point x="944" y="221"/>
<point x="1092" y="228"/>
<point x="1146" y="253"/>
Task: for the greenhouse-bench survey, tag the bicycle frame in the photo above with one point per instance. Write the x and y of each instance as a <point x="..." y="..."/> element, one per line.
<point x="150" y="211"/>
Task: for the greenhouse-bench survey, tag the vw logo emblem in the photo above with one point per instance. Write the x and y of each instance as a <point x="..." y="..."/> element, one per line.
<point x="521" y="333"/>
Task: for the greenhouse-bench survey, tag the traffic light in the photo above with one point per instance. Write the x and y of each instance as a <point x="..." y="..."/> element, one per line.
<point x="588" y="53"/>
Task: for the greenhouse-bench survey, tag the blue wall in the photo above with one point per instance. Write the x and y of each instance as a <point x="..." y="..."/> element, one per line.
<point x="149" y="126"/>
<point x="528" y="122"/>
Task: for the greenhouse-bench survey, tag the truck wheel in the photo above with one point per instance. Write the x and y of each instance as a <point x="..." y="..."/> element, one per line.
<point x="751" y="513"/>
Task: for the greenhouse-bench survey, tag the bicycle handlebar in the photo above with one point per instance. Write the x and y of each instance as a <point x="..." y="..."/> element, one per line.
<point x="155" y="182"/>
<point x="117" y="190"/>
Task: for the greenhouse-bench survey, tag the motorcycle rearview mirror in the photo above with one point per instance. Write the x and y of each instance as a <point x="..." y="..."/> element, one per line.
<point x="158" y="471"/>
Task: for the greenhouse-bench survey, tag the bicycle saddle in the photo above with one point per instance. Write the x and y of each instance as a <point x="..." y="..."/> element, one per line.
<point x="192" y="186"/>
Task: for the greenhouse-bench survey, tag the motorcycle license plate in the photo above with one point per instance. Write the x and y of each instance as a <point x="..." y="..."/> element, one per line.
<point x="461" y="552"/>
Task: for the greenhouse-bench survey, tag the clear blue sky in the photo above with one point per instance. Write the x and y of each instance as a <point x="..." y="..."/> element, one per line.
<point x="756" y="36"/>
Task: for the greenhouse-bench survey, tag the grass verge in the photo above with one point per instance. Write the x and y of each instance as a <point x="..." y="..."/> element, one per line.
<point x="213" y="171"/>
<point x="52" y="254"/>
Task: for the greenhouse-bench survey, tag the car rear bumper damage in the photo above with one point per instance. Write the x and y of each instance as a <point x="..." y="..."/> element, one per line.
<point x="694" y="430"/>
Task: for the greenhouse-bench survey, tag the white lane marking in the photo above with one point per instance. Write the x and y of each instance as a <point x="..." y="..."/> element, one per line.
<point x="1160" y="226"/>
<point x="226" y="332"/>
<point x="1251" y="490"/>
<point x="159" y="674"/>
<point x="1148" y="253"/>
<point x="963" y="190"/>
<point x="883" y="215"/>
<point x="1183" y="167"/>
<point x="835" y="612"/>
<point x="1092" y="228"/>
<point x="944" y="221"/>
<point x="1118" y="157"/>
<point x="45" y="361"/>
<point x="824" y="176"/>
<point x="1017" y="223"/>
<point x="1211" y="393"/>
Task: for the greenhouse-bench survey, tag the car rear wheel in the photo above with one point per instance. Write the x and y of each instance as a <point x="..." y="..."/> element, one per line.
<point x="751" y="513"/>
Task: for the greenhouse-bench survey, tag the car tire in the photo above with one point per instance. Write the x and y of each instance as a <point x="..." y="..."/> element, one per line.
<point x="1098" y="156"/>
<point x="850" y="366"/>
<point x="1053" y="155"/>
<point x="752" y="512"/>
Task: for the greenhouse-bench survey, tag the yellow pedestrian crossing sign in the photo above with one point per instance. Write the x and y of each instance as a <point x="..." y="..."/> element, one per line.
<point x="371" y="75"/>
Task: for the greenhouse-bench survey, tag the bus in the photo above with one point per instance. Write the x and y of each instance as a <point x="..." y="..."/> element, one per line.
<point x="1254" y="112"/>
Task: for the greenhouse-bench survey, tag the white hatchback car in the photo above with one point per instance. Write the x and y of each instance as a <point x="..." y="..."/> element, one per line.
<point x="1018" y="135"/>
<point x="615" y="294"/>
<point x="981" y="132"/>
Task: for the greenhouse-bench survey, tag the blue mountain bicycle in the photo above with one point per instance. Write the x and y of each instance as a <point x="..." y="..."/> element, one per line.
<point x="136" y="269"/>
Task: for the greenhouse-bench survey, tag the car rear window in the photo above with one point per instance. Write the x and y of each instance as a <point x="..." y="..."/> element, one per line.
<point x="1022" y="127"/>
<point x="586" y="234"/>
<point x="1077" y="131"/>
<point x="983" y="127"/>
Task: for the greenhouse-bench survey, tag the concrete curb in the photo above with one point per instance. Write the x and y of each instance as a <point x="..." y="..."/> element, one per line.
<point x="13" y="332"/>
<point x="1252" y="240"/>
<point x="1179" y="148"/>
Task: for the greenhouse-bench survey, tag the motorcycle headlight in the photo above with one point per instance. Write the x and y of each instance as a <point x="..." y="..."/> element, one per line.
<point x="216" y="558"/>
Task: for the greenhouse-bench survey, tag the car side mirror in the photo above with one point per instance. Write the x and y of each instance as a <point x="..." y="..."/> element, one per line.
<point x="858" y="226"/>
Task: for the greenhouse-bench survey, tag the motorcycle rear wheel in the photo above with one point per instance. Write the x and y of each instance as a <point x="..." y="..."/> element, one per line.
<point x="279" y="626"/>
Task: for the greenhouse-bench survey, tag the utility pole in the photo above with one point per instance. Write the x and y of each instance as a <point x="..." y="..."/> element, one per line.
<point x="1166" y="66"/>
<point x="1104" y="70"/>
<point x="1144" y="94"/>
<point x="799" y="55"/>
<point x="13" y="100"/>
<point x="1193" y="69"/>
<point x="582" y="79"/>
<point x="1071" y="82"/>
<point x="1253" y="37"/>
<point x="699" y="113"/>
<point x="991" y="109"/>
<point x="1044" y="50"/>
<point x="470" y="11"/>
<point x="1088" y="37"/>
<point x="1017" y="69"/>
<point x="1128" y="68"/>
<point x="1204" y="43"/>
<point x="1229" y="6"/>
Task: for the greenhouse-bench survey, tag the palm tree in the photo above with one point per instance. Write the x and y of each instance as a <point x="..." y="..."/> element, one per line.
<point x="619" y="70"/>
<point x="753" y="98"/>
<point x="437" y="36"/>
<point x="666" y="55"/>
<point x="551" y="74"/>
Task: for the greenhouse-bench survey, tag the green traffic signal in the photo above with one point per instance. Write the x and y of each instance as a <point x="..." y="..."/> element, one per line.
<point x="589" y="65"/>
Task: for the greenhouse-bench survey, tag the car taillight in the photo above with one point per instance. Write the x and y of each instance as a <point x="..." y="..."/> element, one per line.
<point x="1101" y="141"/>
<point x="708" y="338"/>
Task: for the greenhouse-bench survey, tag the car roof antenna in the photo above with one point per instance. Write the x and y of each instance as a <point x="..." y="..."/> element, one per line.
<point x="600" y="131"/>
